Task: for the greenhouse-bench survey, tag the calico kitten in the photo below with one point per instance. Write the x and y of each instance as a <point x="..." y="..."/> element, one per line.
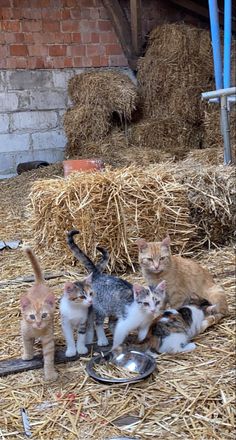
<point x="37" y="307"/>
<point x="182" y="276"/>
<point x="133" y="307"/>
<point x="174" y="329"/>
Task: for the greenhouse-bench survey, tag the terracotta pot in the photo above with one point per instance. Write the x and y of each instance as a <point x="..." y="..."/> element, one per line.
<point x="86" y="165"/>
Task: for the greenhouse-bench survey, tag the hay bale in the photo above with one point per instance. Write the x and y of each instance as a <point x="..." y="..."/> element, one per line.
<point x="83" y="124"/>
<point x="112" y="208"/>
<point x="117" y="150"/>
<point x="176" y="68"/>
<point x="109" y="90"/>
<point x="212" y="137"/>
<point x="211" y="195"/>
<point x="164" y="134"/>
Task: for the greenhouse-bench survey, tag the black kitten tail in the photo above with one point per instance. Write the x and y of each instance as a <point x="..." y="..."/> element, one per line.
<point x="78" y="253"/>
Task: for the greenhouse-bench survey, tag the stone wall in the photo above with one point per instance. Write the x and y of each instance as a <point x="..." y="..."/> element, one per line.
<point x="32" y="104"/>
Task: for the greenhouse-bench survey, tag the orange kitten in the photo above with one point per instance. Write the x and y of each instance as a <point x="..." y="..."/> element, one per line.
<point x="183" y="277"/>
<point x="37" y="307"/>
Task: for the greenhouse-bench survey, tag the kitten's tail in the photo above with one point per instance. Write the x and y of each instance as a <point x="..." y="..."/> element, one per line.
<point x="78" y="253"/>
<point x="101" y="265"/>
<point x="39" y="278"/>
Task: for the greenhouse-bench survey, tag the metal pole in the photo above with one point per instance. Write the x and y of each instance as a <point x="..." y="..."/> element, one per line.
<point x="227" y="42"/>
<point x="221" y="92"/>
<point x="225" y="130"/>
<point x="215" y="37"/>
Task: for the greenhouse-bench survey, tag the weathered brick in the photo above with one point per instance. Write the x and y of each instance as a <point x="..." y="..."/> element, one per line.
<point x="33" y="120"/>
<point x="51" y="26"/>
<point x="38" y="50"/>
<point x="8" y="102"/>
<point x="94" y="50"/>
<point x="4" y="123"/>
<point x="104" y="25"/>
<point x="31" y="25"/>
<point x="6" y="13"/>
<point x="117" y="60"/>
<point x="49" y="139"/>
<point x="17" y="50"/>
<point x="113" y="49"/>
<point x="10" y="25"/>
<point x="57" y="50"/>
<point x="14" y="142"/>
<point x="77" y="51"/>
<point x="70" y="26"/>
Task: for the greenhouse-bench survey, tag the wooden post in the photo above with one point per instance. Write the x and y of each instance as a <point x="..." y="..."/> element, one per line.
<point x="136" y="25"/>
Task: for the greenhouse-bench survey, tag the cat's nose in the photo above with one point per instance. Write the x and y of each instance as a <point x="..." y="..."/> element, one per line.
<point x="39" y="324"/>
<point x="153" y="310"/>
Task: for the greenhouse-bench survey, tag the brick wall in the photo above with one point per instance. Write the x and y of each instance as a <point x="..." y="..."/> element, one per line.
<point x="56" y="34"/>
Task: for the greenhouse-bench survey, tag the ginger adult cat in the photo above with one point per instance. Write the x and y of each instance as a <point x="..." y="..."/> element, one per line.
<point x="183" y="276"/>
<point x="37" y="307"/>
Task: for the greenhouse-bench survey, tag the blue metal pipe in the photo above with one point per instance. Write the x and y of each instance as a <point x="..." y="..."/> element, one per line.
<point x="227" y="41"/>
<point x="215" y="38"/>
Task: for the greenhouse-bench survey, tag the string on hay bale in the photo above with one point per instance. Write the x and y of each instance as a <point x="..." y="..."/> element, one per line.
<point x="99" y="97"/>
<point x="112" y="208"/>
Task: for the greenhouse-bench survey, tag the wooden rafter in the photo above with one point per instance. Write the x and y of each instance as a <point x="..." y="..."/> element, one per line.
<point x="122" y="29"/>
<point x="136" y="25"/>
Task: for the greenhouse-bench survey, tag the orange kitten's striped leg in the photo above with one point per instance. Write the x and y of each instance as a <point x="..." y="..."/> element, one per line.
<point x="48" y="356"/>
<point x="28" y="348"/>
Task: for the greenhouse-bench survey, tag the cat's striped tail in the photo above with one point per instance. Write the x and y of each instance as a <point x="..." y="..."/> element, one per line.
<point x="39" y="278"/>
<point x="78" y="253"/>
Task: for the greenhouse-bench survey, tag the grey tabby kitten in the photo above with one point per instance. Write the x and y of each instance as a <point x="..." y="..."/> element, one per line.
<point x="131" y="306"/>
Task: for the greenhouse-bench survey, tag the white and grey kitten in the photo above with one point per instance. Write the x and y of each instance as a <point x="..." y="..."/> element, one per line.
<point x="74" y="307"/>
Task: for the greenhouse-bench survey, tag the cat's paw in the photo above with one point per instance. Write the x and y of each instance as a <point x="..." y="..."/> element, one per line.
<point x="189" y="347"/>
<point x="89" y="338"/>
<point x="51" y="377"/>
<point x="70" y="352"/>
<point x="142" y="334"/>
<point x="27" y="356"/>
<point x="82" y="349"/>
<point x="102" y="342"/>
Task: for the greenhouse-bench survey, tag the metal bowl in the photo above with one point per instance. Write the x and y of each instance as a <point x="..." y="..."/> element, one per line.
<point x="132" y="360"/>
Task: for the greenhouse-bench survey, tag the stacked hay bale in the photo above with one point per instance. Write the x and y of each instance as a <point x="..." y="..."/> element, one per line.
<point x="98" y="96"/>
<point x="193" y="203"/>
<point x="176" y="68"/>
<point x="113" y="209"/>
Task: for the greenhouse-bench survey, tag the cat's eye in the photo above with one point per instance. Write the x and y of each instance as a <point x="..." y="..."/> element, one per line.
<point x="157" y="302"/>
<point x="146" y="304"/>
<point x="162" y="258"/>
<point x="32" y="316"/>
<point x="44" y="315"/>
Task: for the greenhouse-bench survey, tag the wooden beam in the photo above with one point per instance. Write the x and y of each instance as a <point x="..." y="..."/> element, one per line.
<point x="122" y="29"/>
<point x="203" y="11"/>
<point x="136" y="25"/>
<point x="13" y="366"/>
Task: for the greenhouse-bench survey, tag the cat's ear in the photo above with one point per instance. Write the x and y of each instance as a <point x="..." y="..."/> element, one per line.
<point x="166" y="241"/>
<point x="88" y="279"/>
<point x="137" y="289"/>
<point x="50" y="300"/>
<point x="24" y="302"/>
<point x="68" y="287"/>
<point x="160" y="288"/>
<point x="142" y="244"/>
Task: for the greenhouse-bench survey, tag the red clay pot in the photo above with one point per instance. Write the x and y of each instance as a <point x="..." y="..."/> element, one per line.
<point x="85" y="165"/>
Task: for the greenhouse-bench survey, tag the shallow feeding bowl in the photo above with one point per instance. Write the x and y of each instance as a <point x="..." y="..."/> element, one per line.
<point x="135" y="365"/>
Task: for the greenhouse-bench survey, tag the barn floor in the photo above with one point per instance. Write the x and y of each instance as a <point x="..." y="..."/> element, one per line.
<point x="189" y="396"/>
